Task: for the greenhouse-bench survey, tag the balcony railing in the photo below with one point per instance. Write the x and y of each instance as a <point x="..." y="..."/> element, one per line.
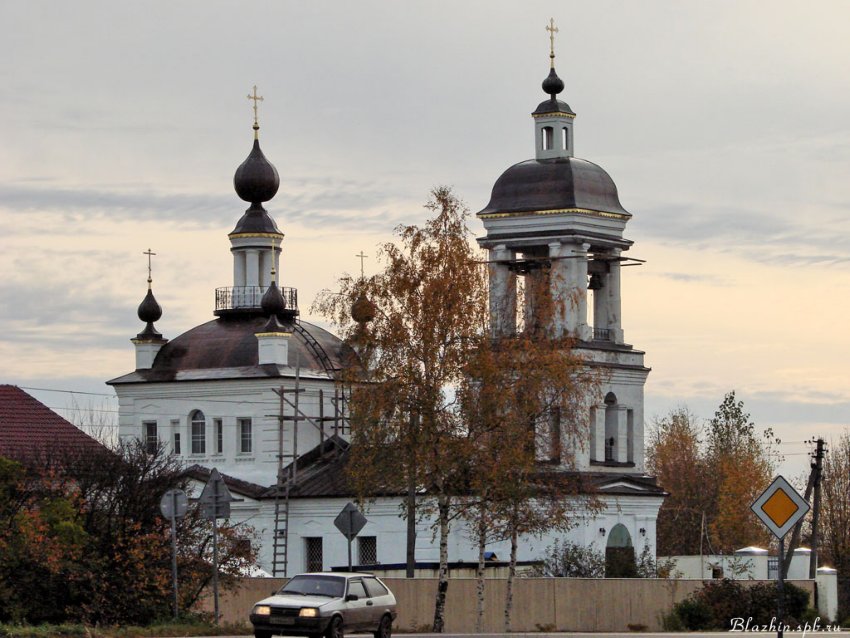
<point x="238" y="298"/>
<point x="601" y="334"/>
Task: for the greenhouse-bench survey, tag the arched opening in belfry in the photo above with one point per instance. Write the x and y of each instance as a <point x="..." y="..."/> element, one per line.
<point x="548" y="138"/>
<point x="620" y="554"/>
<point x="610" y="427"/>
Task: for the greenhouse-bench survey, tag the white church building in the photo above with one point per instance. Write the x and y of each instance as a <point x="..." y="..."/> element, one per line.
<point x="252" y="392"/>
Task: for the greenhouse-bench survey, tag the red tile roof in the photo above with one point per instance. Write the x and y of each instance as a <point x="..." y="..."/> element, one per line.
<point x="28" y="428"/>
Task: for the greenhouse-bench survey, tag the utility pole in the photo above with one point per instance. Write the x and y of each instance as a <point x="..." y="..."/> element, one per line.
<point x="813" y="558"/>
<point x="413" y="426"/>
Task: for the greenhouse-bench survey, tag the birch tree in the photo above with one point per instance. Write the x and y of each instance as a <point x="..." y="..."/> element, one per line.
<point x="446" y="408"/>
<point x="429" y="305"/>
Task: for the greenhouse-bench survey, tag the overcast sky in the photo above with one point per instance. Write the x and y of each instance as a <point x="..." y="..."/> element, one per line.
<point x="724" y="125"/>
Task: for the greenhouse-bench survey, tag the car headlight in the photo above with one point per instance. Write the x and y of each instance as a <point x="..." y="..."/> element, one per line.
<point x="308" y="612"/>
<point x="262" y="610"/>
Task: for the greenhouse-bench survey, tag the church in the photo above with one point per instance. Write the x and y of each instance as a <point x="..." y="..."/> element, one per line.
<point x="253" y="392"/>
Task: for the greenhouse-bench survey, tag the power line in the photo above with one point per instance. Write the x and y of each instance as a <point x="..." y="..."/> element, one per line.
<point x="95" y="394"/>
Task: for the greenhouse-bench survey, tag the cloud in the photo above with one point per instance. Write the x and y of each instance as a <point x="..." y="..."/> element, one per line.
<point x="761" y="236"/>
<point x="323" y="202"/>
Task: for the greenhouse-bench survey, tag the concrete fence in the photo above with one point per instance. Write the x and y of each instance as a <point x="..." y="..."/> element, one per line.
<point x="540" y="604"/>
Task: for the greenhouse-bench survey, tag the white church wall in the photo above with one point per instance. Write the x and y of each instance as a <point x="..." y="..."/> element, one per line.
<point x="171" y="405"/>
<point x="313" y="518"/>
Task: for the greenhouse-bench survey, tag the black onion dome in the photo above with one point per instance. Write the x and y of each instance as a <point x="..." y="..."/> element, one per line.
<point x="553" y="84"/>
<point x="554" y="184"/>
<point x="256" y="180"/>
<point x="272" y="302"/>
<point x="149" y="310"/>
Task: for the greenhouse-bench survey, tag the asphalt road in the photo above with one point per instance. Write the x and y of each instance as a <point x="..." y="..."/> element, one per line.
<point x="706" y="634"/>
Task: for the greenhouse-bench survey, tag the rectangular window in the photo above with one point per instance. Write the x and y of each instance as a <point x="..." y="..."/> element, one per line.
<point x="367" y="550"/>
<point x="177" y="443"/>
<point x="245" y="436"/>
<point x="219" y="436"/>
<point x="199" y="437"/>
<point x="313" y="554"/>
<point x="151" y="438"/>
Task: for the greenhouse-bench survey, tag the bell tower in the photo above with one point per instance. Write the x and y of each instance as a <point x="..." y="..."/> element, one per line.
<point x="555" y="224"/>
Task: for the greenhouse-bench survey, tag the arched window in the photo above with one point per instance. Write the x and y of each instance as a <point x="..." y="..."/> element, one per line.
<point x="199" y="432"/>
<point x="565" y="138"/>
<point x="548" y="141"/>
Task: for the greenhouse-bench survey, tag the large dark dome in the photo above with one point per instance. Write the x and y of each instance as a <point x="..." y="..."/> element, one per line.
<point x="554" y="184"/>
<point x="226" y="348"/>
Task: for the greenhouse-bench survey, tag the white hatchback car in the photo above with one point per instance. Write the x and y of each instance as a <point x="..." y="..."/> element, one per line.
<point x="326" y="604"/>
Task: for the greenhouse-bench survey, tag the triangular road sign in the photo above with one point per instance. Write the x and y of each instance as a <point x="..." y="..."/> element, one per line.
<point x="215" y="499"/>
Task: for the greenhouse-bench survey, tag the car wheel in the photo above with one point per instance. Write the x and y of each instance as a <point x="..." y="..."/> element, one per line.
<point x="335" y="628"/>
<point x="385" y="628"/>
<point x="262" y="634"/>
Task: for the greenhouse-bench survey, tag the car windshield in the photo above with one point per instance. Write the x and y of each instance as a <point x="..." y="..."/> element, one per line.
<point x="331" y="586"/>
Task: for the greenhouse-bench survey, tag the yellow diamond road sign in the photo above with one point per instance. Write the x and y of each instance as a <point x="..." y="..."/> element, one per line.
<point x="780" y="507"/>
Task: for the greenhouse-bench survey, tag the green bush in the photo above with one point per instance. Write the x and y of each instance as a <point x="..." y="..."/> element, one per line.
<point x="714" y="606"/>
<point x="694" y="614"/>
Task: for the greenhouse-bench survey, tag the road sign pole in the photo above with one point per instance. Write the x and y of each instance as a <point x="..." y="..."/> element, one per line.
<point x="350" y="526"/>
<point x="174" y="552"/>
<point x="215" y="549"/>
<point x="780" y="593"/>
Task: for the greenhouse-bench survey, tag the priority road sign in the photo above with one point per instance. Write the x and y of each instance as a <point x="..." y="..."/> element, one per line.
<point x="350" y="521"/>
<point x="780" y="507"/>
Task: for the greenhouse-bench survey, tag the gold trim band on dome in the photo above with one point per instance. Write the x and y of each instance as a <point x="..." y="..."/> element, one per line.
<point x="273" y="334"/>
<point x="558" y="211"/>
<point x="265" y="235"/>
<point x="571" y="116"/>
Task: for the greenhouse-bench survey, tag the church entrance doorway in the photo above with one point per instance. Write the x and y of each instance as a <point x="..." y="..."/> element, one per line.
<point x="620" y="554"/>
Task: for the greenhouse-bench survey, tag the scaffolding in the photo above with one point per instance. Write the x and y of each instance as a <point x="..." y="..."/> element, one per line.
<point x="287" y="463"/>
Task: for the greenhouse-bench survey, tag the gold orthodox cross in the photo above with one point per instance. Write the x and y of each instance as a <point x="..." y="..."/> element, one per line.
<point x="362" y="257"/>
<point x="552" y="29"/>
<point x="256" y="98"/>
<point x="149" y="254"/>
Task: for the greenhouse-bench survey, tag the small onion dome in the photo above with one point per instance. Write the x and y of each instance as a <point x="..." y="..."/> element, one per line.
<point x="553" y="84"/>
<point x="362" y="310"/>
<point x="149" y="312"/>
<point x="256" y="180"/>
<point x="273" y="304"/>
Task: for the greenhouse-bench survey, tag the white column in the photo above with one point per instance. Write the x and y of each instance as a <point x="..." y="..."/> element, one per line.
<point x="265" y="267"/>
<point x="276" y="256"/>
<point x="238" y="268"/>
<point x="622" y="445"/>
<point x="252" y="267"/>
<point x="598" y="427"/>
<point x="568" y="281"/>
<point x="561" y="283"/>
<point x="502" y="292"/>
<point x="582" y="329"/>
<point x="614" y="301"/>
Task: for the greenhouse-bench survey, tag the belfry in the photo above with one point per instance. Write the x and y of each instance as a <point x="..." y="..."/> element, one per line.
<point x="555" y="223"/>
